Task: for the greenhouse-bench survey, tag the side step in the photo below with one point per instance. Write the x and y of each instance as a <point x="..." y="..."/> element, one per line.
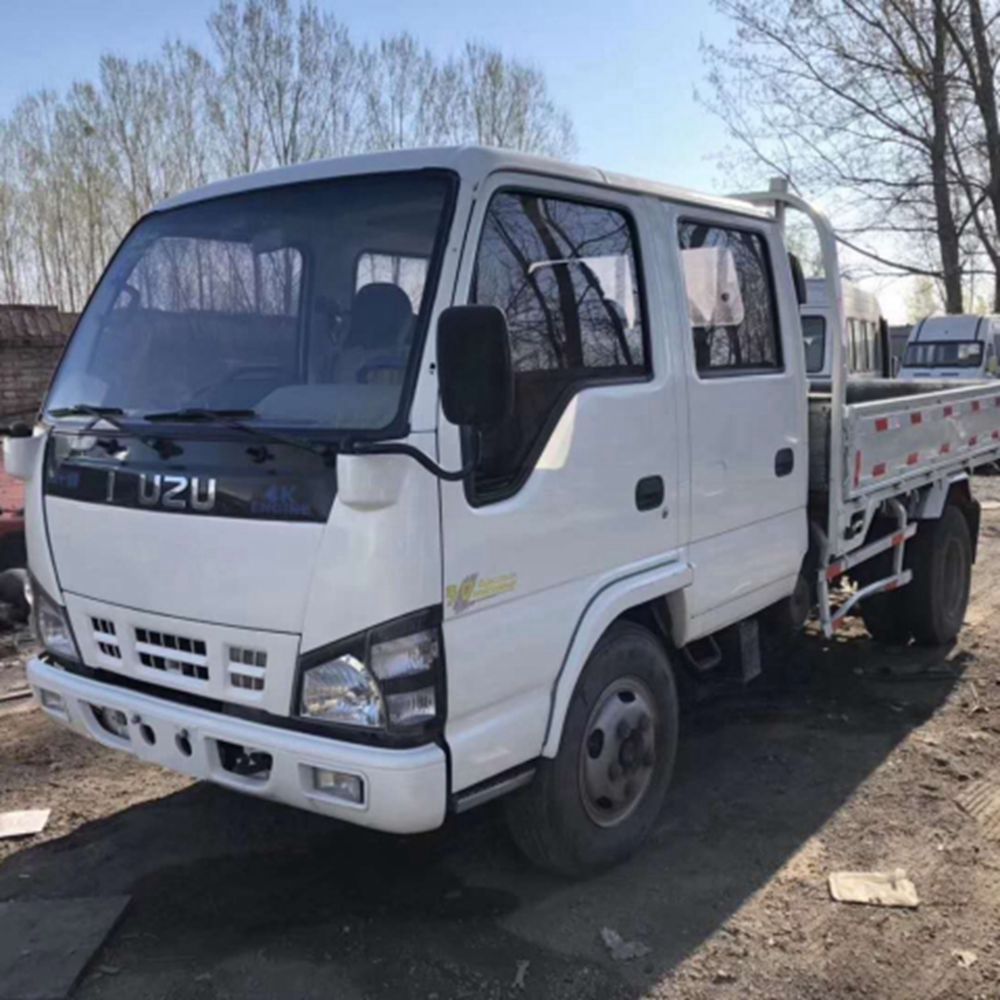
<point x="703" y="654"/>
<point x="493" y="788"/>
<point x="739" y="651"/>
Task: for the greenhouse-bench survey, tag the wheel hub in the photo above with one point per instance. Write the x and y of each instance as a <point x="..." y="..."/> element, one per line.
<point x="618" y="751"/>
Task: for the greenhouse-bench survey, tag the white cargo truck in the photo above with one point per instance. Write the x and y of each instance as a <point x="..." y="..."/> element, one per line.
<point x="389" y="485"/>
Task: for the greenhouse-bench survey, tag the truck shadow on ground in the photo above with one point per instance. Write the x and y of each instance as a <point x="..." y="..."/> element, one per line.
<point x="237" y="897"/>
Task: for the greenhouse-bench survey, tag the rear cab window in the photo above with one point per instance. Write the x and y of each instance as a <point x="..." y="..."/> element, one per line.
<point x="731" y="300"/>
<point x="814" y="342"/>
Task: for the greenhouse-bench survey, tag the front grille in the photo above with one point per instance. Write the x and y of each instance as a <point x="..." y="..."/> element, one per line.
<point x="247" y="668"/>
<point x="106" y="638"/>
<point x="175" y="654"/>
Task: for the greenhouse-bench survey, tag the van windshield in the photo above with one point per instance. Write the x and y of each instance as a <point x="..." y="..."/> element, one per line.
<point x="303" y="306"/>
<point x="944" y="354"/>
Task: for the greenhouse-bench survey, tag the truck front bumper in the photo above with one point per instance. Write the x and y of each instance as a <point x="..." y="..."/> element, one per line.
<point x="404" y="791"/>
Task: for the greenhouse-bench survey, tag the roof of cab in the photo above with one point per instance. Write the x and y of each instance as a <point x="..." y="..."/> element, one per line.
<point x="470" y="162"/>
<point x="954" y="327"/>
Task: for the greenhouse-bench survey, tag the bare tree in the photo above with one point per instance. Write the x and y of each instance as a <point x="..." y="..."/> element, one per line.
<point x="399" y="84"/>
<point x="976" y="150"/>
<point x="867" y="104"/>
<point x="291" y="77"/>
<point x="283" y="83"/>
<point x="506" y="103"/>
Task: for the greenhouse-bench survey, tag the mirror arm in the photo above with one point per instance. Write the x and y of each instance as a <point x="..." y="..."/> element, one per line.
<point x="394" y="448"/>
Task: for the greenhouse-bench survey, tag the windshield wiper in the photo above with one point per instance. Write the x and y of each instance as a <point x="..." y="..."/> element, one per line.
<point x="233" y="419"/>
<point x="105" y="413"/>
<point x="109" y="414"/>
<point x="195" y="413"/>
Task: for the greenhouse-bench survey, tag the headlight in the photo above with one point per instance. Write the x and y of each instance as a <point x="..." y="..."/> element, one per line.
<point x="389" y="678"/>
<point x="412" y="654"/>
<point x="52" y="628"/>
<point x="342" y="690"/>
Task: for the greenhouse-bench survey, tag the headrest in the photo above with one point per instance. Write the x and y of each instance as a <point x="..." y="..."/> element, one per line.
<point x="380" y="316"/>
<point x="713" y="286"/>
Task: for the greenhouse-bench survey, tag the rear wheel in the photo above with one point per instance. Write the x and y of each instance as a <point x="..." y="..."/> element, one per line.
<point x="885" y="616"/>
<point x="594" y="803"/>
<point x="940" y="556"/>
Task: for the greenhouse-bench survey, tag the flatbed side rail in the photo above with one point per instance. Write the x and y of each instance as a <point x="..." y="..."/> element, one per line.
<point x="896" y="443"/>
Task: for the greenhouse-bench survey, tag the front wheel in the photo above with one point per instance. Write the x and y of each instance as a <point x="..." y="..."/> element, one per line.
<point x="594" y="803"/>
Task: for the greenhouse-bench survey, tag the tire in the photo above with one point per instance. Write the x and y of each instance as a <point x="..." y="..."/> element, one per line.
<point x="940" y="556"/>
<point x="562" y="821"/>
<point x="14" y="595"/>
<point x="886" y="617"/>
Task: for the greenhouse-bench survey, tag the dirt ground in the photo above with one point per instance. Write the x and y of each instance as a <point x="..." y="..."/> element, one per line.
<point x="857" y="763"/>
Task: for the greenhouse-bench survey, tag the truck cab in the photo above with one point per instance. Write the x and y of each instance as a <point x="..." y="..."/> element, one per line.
<point x="953" y="347"/>
<point x="388" y="485"/>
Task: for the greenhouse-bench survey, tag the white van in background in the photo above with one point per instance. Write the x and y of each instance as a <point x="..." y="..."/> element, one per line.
<point x="962" y="346"/>
<point x="867" y="334"/>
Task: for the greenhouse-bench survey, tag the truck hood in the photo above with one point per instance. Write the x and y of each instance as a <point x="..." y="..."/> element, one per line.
<point x="210" y="534"/>
<point x="217" y="569"/>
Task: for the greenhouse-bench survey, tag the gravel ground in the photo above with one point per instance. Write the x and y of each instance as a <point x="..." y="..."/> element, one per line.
<point x="859" y="762"/>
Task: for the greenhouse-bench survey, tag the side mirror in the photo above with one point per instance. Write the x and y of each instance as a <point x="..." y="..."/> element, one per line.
<point x="20" y="451"/>
<point x="474" y="365"/>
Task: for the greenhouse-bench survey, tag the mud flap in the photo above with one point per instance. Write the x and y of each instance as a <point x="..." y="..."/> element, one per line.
<point x="749" y="650"/>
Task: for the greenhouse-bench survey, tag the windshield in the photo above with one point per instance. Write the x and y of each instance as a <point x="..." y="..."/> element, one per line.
<point x="814" y="339"/>
<point x="944" y="354"/>
<point x="303" y="305"/>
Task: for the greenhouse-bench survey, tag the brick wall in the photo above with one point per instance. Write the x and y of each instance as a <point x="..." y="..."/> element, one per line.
<point x="31" y="342"/>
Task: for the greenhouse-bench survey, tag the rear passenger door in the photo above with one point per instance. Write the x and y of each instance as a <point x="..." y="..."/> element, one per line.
<point x="747" y="414"/>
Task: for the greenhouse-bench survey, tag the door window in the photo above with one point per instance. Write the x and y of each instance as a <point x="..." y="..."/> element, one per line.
<point x="565" y="275"/>
<point x="731" y="302"/>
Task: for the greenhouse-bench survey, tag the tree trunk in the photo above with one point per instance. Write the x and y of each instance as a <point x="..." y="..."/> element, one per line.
<point x="986" y="100"/>
<point x="947" y="230"/>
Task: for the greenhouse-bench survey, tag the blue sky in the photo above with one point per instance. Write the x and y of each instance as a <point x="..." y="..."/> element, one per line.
<point x="625" y="70"/>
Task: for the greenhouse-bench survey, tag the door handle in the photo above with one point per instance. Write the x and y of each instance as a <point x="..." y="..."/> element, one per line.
<point x="649" y="493"/>
<point x="784" y="462"/>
